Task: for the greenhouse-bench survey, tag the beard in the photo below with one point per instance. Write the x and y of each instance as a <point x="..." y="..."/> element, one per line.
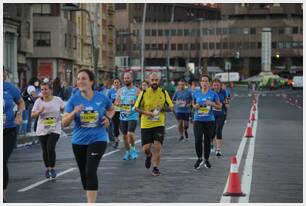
<point x="154" y="86"/>
<point x="127" y="84"/>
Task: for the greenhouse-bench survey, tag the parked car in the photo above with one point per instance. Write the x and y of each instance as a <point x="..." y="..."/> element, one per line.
<point x="297" y="82"/>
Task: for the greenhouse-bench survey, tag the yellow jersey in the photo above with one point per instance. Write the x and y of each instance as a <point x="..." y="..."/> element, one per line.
<point x="153" y="101"/>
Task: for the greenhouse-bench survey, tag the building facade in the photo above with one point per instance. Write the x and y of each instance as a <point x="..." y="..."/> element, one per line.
<point x="234" y="37"/>
<point x="18" y="38"/>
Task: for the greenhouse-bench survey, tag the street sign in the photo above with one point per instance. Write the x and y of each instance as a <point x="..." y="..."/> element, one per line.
<point x="227" y="66"/>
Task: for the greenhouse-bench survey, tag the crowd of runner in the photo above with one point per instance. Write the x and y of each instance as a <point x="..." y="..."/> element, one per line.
<point x="100" y="117"/>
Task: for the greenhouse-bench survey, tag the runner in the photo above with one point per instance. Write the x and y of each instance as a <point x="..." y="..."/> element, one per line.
<point x="203" y="101"/>
<point x="115" y="121"/>
<point x="144" y="85"/>
<point x="92" y="113"/>
<point x="151" y="104"/>
<point x="11" y="96"/>
<point x="193" y="87"/>
<point x="48" y="109"/>
<point x="219" y="116"/>
<point x="182" y="99"/>
<point x="228" y="98"/>
<point x="126" y="97"/>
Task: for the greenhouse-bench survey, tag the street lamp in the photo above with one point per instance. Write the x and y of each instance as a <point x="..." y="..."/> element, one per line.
<point x="168" y="46"/>
<point x="95" y="50"/>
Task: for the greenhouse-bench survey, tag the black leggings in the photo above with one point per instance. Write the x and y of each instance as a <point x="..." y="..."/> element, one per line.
<point x="200" y="128"/>
<point x="48" y="143"/>
<point x="218" y="126"/>
<point x="9" y="142"/>
<point x="88" y="158"/>
<point x="116" y="123"/>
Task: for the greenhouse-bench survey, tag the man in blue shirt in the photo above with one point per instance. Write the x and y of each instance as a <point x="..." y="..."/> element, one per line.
<point x="182" y="99"/>
<point x="11" y="96"/>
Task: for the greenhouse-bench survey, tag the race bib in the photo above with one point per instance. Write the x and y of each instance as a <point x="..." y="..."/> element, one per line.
<point x="49" y="122"/>
<point x="156" y="117"/>
<point x="89" y="118"/>
<point x="204" y="110"/>
<point x="181" y="103"/>
<point x="126" y="109"/>
<point x="218" y="110"/>
<point x="116" y="108"/>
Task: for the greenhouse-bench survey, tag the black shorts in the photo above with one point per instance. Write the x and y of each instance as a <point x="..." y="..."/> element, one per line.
<point x="148" y="135"/>
<point x="128" y="126"/>
<point x="182" y="116"/>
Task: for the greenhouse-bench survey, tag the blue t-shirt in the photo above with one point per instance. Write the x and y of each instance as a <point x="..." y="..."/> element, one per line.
<point x="128" y="97"/>
<point x="183" y="99"/>
<point x="88" y="126"/>
<point x="204" y="113"/>
<point x="112" y="93"/>
<point x="222" y="96"/>
<point x="11" y="95"/>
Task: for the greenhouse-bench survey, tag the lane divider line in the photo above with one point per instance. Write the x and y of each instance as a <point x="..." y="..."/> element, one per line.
<point x="73" y="168"/>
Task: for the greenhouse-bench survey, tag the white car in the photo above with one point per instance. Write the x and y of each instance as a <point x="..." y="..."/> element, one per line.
<point x="297" y="82"/>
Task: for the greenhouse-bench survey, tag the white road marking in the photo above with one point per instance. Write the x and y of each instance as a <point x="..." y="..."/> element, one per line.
<point x="73" y="168"/>
<point x="247" y="182"/>
<point x="45" y="180"/>
<point x="246" y="179"/>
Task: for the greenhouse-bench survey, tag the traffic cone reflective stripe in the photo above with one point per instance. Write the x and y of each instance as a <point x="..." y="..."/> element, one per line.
<point x="254" y="107"/>
<point x="253" y="117"/>
<point x="234" y="188"/>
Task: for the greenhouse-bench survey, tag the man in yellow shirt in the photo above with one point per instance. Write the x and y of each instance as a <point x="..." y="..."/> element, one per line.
<point x="151" y="103"/>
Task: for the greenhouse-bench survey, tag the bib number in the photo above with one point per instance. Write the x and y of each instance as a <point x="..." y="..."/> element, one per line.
<point x="89" y="118"/>
<point x="156" y="116"/>
<point x="49" y="122"/>
<point x="204" y="110"/>
<point x="126" y="109"/>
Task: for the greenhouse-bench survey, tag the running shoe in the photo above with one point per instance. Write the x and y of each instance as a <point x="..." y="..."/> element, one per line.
<point x="127" y="155"/>
<point x="186" y="135"/>
<point x="218" y="153"/>
<point x="155" y="171"/>
<point x="181" y="139"/>
<point x="53" y="174"/>
<point x="116" y="144"/>
<point x="198" y="164"/>
<point x="47" y="174"/>
<point x="207" y="164"/>
<point x="148" y="161"/>
<point x="134" y="154"/>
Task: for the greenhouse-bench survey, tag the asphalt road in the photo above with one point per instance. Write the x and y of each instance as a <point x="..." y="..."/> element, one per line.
<point x="276" y="171"/>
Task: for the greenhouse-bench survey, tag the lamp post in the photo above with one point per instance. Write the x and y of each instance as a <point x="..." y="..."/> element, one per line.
<point x="142" y="40"/>
<point x="168" y="46"/>
<point x="95" y="50"/>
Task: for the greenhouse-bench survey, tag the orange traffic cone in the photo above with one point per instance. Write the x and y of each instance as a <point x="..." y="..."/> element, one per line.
<point x="249" y="132"/>
<point x="234" y="188"/>
<point x="253" y="117"/>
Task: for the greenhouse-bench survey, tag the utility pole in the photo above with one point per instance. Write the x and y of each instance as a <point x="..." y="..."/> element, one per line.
<point x="142" y="40"/>
<point x="168" y="43"/>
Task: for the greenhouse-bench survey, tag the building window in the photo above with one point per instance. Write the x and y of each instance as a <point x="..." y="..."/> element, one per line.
<point x="28" y="30"/>
<point x="280" y="45"/>
<point x="246" y="30"/>
<point x="173" y="46"/>
<point x="273" y="45"/>
<point x="147" y="32"/>
<point x="147" y="46"/>
<point x="281" y="30"/>
<point x="66" y="40"/>
<point x="204" y="45"/>
<point x="74" y="42"/>
<point x="173" y="32"/>
<point x="186" y="32"/>
<point x="253" y="30"/>
<point x="300" y="44"/>
<point x="212" y="45"/>
<point x="186" y="47"/>
<point x="225" y="31"/>
<point x="225" y="45"/>
<point x="153" y="32"/>
<point x="219" y="31"/>
<point x="42" y="39"/>
<point x="211" y="31"/>
<point x="218" y="45"/>
<point x="160" y="32"/>
<point x="294" y="44"/>
<point x="232" y="45"/>
<point x="295" y="30"/>
<point x="258" y="45"/>
<point x="180" y="32"/>
<point x="253" y="45"/>
<point x="245" y="45"/>
<point x="180" y="47"/>
<point x="167" y="32"/>
<point x="160" y="47"/>
<point x="204" y="32"/>
<point x="287" y="45"/>
<point x="41" y="9"/>
<point x="192" y="46"/>
<point x="154" y="47"/>
<point x="288" y="30"/>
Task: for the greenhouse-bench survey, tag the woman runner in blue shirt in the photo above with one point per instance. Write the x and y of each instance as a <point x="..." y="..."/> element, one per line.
<point x="92" y="112"/>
